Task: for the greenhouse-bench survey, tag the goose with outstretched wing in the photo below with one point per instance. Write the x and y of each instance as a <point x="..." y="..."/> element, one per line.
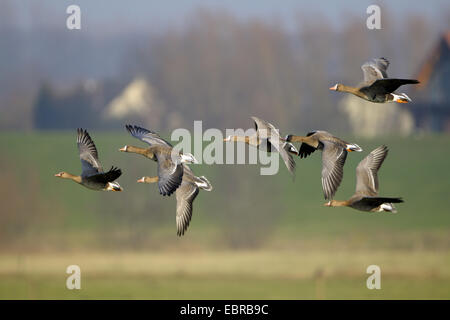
<point x="377" y="87"/>
<point x="268" y="138"/>
<point x="366" y="194"/>
<point x="92" y="175"/>
<point x="170" y="162"/>
<point x="185" y="194"/>
<point x="334" y="154"/>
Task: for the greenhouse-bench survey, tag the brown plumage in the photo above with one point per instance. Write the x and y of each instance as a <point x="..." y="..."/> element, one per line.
<point x="92" y="175"/>
<point x="334" y="154"/>
<point x="170" y="168"/>
<point x="377" y="87"/>
<point x="366" y="193"/>
<point x="185" y="194"/>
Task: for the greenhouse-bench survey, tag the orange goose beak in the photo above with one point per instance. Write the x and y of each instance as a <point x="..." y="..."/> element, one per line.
<point x="334" y="88"/>
<point x="141" y="180"/>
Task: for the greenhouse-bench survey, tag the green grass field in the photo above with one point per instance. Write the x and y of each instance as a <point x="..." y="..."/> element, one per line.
<point x="228" y="275"/>
<point x="253" y="236"/>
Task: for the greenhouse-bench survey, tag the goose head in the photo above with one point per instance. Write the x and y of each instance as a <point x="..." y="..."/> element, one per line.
<point x="141" y="180"/>
<point x="336" y="87"/>
<point x="287" y="138"/>
<point x="329" y="203"/>
<point x="62" y="174"/>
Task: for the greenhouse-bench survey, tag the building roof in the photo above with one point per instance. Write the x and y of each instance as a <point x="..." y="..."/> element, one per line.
<point x="427" y="68"/>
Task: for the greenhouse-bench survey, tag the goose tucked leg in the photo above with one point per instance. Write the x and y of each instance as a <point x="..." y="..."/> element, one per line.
<point x="387" y="207"/>
<point x="113" y="186"/>
<point x="401" y="98"/>
<point x="353" y="147"/>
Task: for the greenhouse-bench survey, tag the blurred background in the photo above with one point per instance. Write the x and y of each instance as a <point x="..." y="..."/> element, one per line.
<point x="163" y="65"/>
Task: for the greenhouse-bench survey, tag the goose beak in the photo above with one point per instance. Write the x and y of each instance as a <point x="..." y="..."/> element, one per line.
<point x="123" y="149"/>
<point x="58" y="174"/>
<point x="401" y="100"/>
<point x="327" y="204"/>
<point x="334" y="88"/>
<point x="141" y="180"/>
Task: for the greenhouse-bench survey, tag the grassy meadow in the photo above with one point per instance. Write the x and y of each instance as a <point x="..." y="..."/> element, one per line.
<point x="253" y="236"/>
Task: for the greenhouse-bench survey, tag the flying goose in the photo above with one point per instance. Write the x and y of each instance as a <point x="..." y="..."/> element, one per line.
<point x="266" y="138"/>
<point x="186" y="194"/>
<point x="92" y="175"/>
<point x="334" y="154"/>
<point x="377" y="87"/>
<point x="170" y="168"/>
<point x="366" y="194"/>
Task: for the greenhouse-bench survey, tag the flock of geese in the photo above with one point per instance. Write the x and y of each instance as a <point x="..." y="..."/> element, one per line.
<point x="174" y="174"/>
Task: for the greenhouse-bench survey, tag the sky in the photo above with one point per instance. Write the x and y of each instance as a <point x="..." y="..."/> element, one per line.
<point x="115" y="16"/>
<point x="110" y="27"/>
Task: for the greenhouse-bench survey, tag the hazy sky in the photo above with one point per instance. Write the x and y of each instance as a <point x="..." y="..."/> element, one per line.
<point x="134" y="15"/>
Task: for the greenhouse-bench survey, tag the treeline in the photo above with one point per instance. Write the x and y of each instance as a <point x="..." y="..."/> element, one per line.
<point x="222" y="69"/>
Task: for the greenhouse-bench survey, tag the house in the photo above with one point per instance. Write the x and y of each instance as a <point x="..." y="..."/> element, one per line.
<point x="431" y="105"/>
<point x="138" y="101"/>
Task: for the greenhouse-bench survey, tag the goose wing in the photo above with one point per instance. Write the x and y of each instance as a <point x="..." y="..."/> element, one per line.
<point x="90" y="165"/>
<point x="145" y="135"/>
<point x="185" y="194"/>
<point x="375" y="69"/>
<point x="385" y="86"/>
<point x="286" y="156"/>
<point x="104" y="177"/>
<point x="283" y="149"/>
<point x="266" y="130"/>
<point x="305" y="149"/>
<point x="333" y="160"/>
<point x="370" y="203"/>
<point x="170" y="174"/>
<point x="366" y="172"/>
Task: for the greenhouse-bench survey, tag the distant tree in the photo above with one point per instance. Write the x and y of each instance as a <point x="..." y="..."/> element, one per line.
<point x="64" y="111"/>
<point x="43" y="113"/>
